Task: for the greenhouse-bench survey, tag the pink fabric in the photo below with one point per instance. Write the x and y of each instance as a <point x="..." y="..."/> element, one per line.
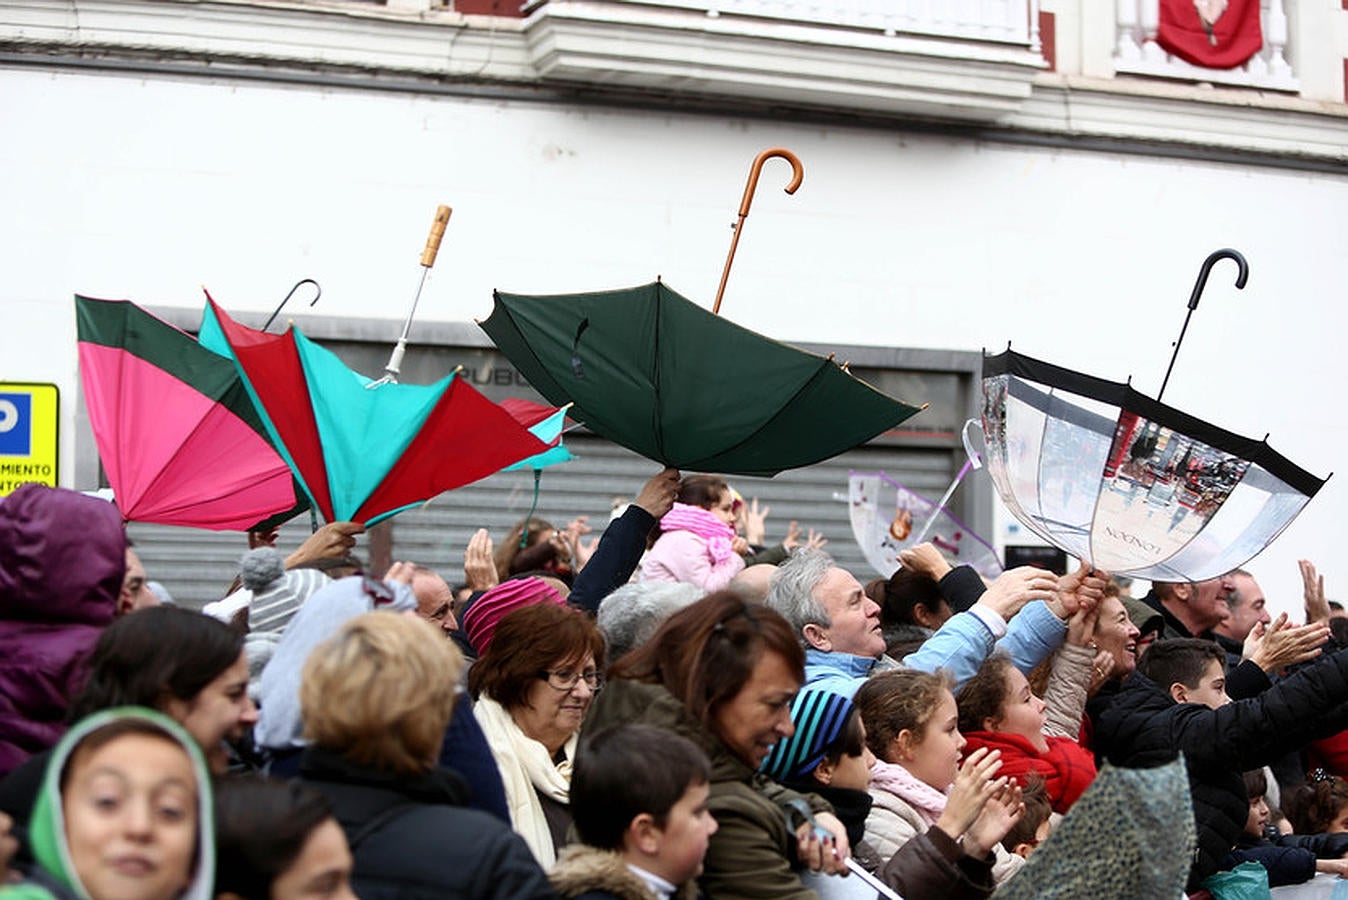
<point x="681" y="556"/>
<point x="482" y="618"/>
<point x="173" y="456"/>
<point x="704" y="524"/>
<point x="897" y="780"/>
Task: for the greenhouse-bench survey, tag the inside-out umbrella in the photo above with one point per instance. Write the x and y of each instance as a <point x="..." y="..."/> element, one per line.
<point x="1131" y="485"/>
<point x="545" y="423"/>
<point x="664" y="377"/>
<point x="365" y="450"/>
<point x="178" y="437"/>
<point x="660" y="375"/>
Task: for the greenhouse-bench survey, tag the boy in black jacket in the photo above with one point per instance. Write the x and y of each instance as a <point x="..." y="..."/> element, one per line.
<point x="1176" y="702"/>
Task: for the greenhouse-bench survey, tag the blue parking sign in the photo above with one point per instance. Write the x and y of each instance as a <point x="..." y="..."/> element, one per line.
<point x="16" y="424"/>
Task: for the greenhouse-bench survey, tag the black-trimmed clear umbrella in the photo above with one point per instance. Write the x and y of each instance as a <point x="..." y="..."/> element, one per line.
<point x="1135" y="487"/>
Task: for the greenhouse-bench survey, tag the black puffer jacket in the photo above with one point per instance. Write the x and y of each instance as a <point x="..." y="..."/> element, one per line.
<point x="1144" y="727"/>
<point x="412" y="838"/>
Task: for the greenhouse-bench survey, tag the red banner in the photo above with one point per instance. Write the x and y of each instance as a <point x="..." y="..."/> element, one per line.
<point x="1214" y="34"/>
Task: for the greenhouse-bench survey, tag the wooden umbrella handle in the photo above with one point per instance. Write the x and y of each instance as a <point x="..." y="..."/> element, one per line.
<point x="437" y="232"/>
<point x="797" y="176"/>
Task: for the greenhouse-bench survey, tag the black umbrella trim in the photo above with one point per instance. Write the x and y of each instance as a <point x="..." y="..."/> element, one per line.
<point x="1125" y="397"/>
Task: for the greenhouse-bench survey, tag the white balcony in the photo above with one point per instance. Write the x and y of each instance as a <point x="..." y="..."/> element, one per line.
<point x="1137" y="53"/>
<point x="959" y="60"/>
<point x="1002" y="21"/>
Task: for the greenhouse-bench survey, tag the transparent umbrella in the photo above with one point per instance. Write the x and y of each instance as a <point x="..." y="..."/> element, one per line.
<point x="1131" y="485"/>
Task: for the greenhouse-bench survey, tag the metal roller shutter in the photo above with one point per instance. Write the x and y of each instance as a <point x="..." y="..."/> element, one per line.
<point x="196" y="566"/>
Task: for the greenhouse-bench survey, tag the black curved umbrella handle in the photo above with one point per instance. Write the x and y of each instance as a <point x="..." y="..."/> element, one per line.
<point x="318" y="292"/>
<point x="1225" y="253"/>
<point x="1241" y="277"/>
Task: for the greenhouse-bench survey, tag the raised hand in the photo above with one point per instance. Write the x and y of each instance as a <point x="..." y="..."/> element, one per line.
<point x="479" y="566"/>
<point x="1001" y="811"/>
<point x="1101" y="669"/>
<point x="1313" y="591"/>
<point x="924" y="559"/>
<point x="1085" y="586"/>
<point x="333" y="541"/>
<point x="1279" y="645"/>
<point x="975" y="782"/>
<point x="755" y="522"/>
<point x="657" y="495"/>
<point x="1016" y="587"/>
<point x="1081" y="626"/>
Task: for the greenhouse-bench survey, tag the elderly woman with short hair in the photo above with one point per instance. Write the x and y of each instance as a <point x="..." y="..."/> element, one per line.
<point x="375" y="699"/>
<point x="532" y="687"/>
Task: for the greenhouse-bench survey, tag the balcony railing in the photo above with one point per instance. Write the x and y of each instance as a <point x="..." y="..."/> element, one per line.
<point x="999" y="21"/>
<point x="1137" y="53"/>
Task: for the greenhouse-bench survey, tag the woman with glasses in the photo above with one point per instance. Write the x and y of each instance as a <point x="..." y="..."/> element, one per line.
<point x="723" y="672"/>
<point x="533" y="686"/>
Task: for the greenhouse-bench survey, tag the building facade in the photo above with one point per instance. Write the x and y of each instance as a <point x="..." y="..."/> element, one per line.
<point x="976" y="172"/>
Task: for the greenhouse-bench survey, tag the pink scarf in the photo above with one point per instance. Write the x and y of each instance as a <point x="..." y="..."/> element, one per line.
<point x="895" y="779"/>
<point x="704" y="524"/>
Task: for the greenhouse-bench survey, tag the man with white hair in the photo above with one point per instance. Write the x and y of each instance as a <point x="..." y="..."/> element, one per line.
<point x="631" y="614"/>
<point x="1023" y="613"/>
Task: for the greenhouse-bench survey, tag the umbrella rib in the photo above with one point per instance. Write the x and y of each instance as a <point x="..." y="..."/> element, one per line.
<point x="656" y="417"/>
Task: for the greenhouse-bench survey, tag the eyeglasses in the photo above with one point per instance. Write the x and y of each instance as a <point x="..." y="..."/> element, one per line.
<point x="567" y="679"/>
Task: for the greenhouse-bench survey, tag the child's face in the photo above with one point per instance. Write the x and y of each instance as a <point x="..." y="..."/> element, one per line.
<point x="1340" y="822"/>
<point x="1022" y="712"/>
<point x="854" y="772"/>
<point x="131" y="818"/>
<point x="724" y="508"/>
<point x="1258" y="818"/>
<point x="683" y="841"/>
<point x="936" y="759"/>
<point x="1211" y="689"/>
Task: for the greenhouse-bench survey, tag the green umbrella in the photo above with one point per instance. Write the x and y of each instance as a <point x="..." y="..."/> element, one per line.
<point x="652" y="371"/>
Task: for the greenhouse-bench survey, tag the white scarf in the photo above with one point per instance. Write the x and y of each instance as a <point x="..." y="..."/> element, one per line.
<point x="526" y="765"/>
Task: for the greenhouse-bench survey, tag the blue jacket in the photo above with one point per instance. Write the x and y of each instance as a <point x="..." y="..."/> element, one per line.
<point x="959" y="647"/>
<point x="963" y="642"/>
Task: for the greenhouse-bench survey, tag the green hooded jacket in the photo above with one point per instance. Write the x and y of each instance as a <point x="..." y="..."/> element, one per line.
<point x="46" y="829"/>
<point x="753" y="851"/>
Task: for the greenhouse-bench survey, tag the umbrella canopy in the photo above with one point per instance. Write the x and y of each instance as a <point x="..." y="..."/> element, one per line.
<point x="888" y="518"/>
<point x="179" y="439"/>
<point x="1135" y="487"/>
<point x="546" y="424"/>
<point x="652" y="371"/>
<point x="364" y="452"/>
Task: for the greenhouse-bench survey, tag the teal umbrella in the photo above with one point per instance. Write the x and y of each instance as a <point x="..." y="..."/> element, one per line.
<point x="654" y="372"/>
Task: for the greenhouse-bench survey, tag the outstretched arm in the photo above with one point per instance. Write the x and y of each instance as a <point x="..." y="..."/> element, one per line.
<point x="623" y="542"/>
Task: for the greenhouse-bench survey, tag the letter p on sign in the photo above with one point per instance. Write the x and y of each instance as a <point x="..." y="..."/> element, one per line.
<point x="16" y="424"/>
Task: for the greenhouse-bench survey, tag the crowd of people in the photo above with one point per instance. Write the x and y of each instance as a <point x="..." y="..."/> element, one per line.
<point x="675" y="708"/>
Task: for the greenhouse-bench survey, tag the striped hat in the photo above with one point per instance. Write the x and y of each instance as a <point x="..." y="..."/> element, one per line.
<point x="820" y="717"/>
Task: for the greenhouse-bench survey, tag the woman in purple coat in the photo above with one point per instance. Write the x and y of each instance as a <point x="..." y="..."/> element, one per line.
<point x="62" y="559"/>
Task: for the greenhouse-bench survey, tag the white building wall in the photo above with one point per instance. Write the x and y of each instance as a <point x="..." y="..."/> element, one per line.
<point x="148" y="187"/>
